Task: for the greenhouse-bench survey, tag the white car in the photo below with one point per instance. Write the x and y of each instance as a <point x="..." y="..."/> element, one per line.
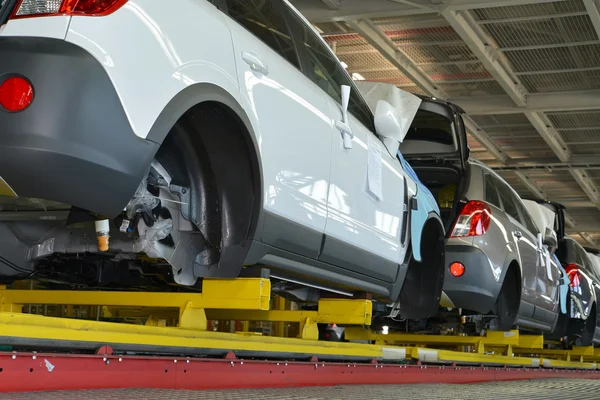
<point x="207" y="136"/>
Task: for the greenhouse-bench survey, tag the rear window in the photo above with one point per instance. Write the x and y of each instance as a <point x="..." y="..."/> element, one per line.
<point x="430" y="133"/>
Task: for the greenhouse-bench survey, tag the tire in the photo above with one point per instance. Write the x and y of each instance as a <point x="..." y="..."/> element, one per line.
<point x="586" y="337"/>
<point x="507" y="303"/>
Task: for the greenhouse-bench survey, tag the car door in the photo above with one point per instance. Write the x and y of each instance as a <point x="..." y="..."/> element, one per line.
<point x="367" y="186"/>
<point x="293" y="128"/>
<point x="548" y="273"/>
<point x="582" y="284"/>
<point x="525" y="245"/>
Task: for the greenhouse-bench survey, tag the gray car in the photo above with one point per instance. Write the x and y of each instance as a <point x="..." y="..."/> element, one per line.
<point x="496" y="264"/>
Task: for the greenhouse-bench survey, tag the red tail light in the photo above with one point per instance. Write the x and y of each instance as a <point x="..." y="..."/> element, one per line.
<point x="37" y="8"/>
<point x="573" y="274"/>
<point x="474" y="220"/>
<point x="16" y="94"/>
<point x="457" y="269"/>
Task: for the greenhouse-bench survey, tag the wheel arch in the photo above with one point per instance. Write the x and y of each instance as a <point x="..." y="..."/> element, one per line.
<point x="423" y="283"/>
<point x="512" y="265"/>
<point x="202" y="93"/>
<point x="207" y="138"/>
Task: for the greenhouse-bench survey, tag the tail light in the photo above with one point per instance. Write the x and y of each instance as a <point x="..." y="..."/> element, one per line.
<point x="573" y="274"/>
<point x="16" y="94"/>
<point x="457" y="269"/>
<point x="37" y="8"/>
<point x="474" y="220"/>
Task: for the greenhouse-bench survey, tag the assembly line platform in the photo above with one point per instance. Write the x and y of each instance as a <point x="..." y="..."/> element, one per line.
<point x="169" y="341"/>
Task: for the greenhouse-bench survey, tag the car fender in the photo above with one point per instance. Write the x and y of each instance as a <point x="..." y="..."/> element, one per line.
<point x="173" y="59"/>
<point x="563" y="287"/>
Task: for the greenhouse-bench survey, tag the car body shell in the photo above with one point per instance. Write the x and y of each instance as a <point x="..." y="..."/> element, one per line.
<point x="314" y="222"/>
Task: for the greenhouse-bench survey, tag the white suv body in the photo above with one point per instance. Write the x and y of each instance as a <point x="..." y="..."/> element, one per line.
<point x="292" y="196"/>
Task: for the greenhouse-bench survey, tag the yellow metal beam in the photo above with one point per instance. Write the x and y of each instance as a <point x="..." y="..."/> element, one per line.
<point x="447" y="357"/>
<point x="240" y="294"/>
<point x="548" y="363"/>
<point x="330" y="311"/>
<point x="576" y="354"/>
<point x="279" y="304"/>
<point x="39" y="327"/>
<point x="492" y="338"/>
<point x="531" y="341"/>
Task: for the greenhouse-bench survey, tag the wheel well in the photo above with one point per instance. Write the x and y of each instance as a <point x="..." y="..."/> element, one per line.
<point x="210" y="150"/>
<point x="422" y="287"/>
<point x="512" y="284"/>
<point x="582" y="331"/>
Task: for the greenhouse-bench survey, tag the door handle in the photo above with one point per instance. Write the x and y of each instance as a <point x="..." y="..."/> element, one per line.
<point x="518" y="234"/>
<point x="255" y="62"/>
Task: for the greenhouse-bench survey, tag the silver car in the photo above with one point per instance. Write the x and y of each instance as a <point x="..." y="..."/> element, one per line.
<point x="497" y="263"/>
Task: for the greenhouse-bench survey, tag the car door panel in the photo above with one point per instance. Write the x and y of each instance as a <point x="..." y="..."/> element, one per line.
<point x="526" y="255"/>
<point x="294" y="127"/>
<point x="539" y="290"/>
<point x="547" y="301"/>
<point x="362" y="231"/>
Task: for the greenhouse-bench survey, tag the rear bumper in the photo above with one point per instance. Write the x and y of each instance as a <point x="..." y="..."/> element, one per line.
<point x="74" y="144"/>
<point x="476" y="289"/>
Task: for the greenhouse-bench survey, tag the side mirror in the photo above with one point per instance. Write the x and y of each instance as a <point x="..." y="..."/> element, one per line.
<point x="387" y="122"/>
<point x="550" y="239"/>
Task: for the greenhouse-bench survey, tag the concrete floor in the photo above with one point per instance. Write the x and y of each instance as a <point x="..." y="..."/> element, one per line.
<point x="522" y="390"/>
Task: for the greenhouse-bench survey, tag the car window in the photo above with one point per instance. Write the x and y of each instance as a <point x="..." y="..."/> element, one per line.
<point x="321" y="66"/>
<point x="509" y="202"/>
<point x="265" y="20"/>
<point x="432" y="131"/>
<point x="491" y="193"/>
<point x="514" y="207"/>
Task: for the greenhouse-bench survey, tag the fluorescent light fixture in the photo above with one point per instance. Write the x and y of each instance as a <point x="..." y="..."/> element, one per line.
<point x="358" y="77"/>
<point x="344" y="65"/>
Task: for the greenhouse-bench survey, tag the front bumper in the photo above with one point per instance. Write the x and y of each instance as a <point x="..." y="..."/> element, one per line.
<point x="74" y="144"/>
<point x="477" y="289"/>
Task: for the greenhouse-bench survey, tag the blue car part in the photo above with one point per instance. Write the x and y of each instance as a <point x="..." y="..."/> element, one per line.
<point x="563" y="287"/>
<point x="426" y="204"/>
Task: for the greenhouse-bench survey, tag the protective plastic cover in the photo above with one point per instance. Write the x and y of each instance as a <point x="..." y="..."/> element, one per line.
<point x="406" y="104"/>
<point x="542" y="216"/>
